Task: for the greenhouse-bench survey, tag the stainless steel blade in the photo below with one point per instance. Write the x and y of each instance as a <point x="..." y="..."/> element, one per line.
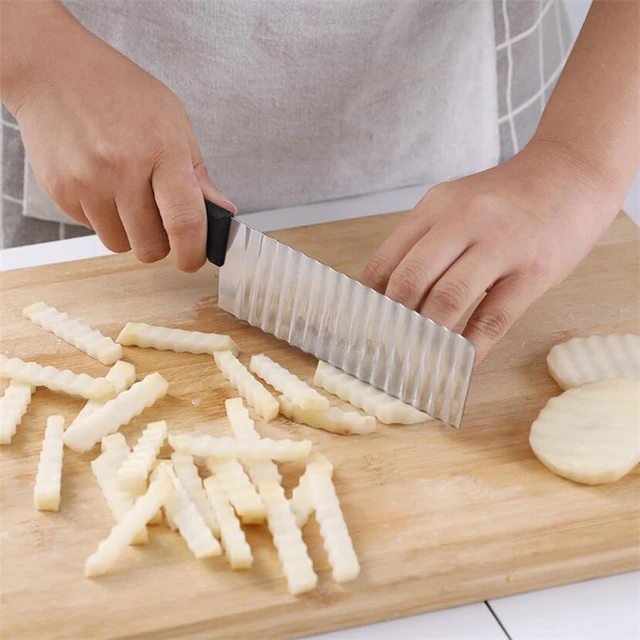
<point x="348" y="325"/>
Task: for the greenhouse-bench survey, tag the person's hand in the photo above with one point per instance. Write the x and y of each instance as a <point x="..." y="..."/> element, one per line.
<point x="513" y="232"/>
<point x="114" y="149"/>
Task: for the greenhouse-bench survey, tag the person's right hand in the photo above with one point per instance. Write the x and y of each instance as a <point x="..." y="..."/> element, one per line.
<point x="114" y="149"/>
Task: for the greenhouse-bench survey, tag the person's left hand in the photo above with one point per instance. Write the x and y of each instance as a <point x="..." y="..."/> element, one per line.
<point x="513" y="231"/>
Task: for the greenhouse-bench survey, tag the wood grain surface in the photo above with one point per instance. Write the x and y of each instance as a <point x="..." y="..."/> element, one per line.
<point x="438" y="517"/>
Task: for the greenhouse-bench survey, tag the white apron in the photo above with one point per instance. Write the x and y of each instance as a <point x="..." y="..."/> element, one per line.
<point x="299" y="101"/>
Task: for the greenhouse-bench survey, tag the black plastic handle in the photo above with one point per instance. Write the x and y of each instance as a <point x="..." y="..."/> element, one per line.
<point x="218" y="224"/>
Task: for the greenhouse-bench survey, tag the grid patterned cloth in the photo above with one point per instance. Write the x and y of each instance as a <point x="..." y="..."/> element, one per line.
<point x="532" y="44"/>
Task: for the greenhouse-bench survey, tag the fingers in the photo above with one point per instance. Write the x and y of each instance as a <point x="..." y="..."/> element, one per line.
<point x="461" y="285"/>
<point x="179" y="199"/>
<point x="75" y="212"/>
<point x="424" y="264"/>
<point x="142" y="223"/>
<point x="66" y="200"/>
<point x="503" y="305"/>
<point x="378" y="272"/>
<point x="102" y="213"/>
<point x="158" y="215"/>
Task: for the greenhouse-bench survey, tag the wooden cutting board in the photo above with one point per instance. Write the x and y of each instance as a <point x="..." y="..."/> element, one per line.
<point x="438" y="517"/>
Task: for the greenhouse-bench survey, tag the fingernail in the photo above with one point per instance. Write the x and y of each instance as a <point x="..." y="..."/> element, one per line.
<point x="227" y="204"/>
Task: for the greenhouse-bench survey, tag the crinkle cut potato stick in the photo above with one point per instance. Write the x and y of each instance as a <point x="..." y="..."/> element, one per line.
<point x="590" y="434"/>
<point x="248" y="387"/>
<point x="132" y="474"/>
<point x="333" y="419"/>
<point x="234" y="542"/>
<point x="157" y="518"/>
<point x="583" y="360"/>
<point x="300" y="502"/>
<point x="122" y="375"/>
<point x="244" y="429"/>
<point x="13" y="405"/>
<point x="187" y="473"/>
<point x="83" y="435"/>
<point x="104" y="468"/>
<point x="183" y="513"/>
<point x="167" y="518"/>
<point x="133" y="521"/>
<point x="385" y="408"/>
<point x="241" y="492"/>
<point x="287" y="538"/>
<point x="76" y="333"/>
<point x="333" y="528"/>
<point x="65" y="381"/>
<point x="139" y="334"/>
<point x="46" y="493"/>
<point x="289" y="385"/>
<point x="225" y="447"/>
<point x="116" y="446"/>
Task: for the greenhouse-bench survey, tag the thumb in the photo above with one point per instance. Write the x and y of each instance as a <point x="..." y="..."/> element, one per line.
<point x="209" y="189"/>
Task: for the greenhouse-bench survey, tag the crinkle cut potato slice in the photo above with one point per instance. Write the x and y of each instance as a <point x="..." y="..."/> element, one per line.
<point x="590" y="434"/>
<point x="582" y="360"/>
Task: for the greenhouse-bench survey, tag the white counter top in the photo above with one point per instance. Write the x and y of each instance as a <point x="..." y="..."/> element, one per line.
<point x="606" y="609"/>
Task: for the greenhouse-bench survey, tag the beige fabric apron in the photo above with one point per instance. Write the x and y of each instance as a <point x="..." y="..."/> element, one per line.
<point x="299" y="101"/>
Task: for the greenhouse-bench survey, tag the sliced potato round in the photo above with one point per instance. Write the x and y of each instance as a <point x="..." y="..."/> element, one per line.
<point x="582" y="360"/>
<point x="590" y="434"/>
